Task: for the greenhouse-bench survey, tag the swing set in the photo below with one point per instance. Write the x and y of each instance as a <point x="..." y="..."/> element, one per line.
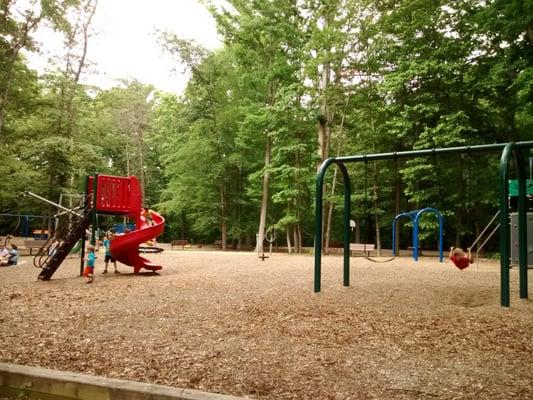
<point x="414" y="216"/>
<point x="509" y="151"/>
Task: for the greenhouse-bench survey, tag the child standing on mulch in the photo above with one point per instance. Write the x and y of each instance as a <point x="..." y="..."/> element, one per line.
<point x="88" y="272"/>
<point x="108" y="257"/>
<point x="460" y="258"/>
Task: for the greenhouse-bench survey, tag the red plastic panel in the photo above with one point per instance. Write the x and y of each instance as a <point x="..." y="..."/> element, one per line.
<point x="117" y="194"/>
<point x="125" y="248"/>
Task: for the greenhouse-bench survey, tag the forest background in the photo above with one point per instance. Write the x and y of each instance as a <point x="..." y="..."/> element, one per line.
<point x="234" y="158"/>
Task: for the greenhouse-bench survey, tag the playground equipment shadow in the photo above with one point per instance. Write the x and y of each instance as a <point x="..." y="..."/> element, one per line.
<point x="231" y="323"/>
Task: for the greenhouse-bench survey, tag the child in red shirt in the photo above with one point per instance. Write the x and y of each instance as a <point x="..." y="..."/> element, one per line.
<point x="459" y="257"/>
<point x="88" y="272"/>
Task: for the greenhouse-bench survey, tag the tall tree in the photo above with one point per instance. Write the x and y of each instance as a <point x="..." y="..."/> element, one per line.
<point x="266" y="39"/>
<point x="19" y="22"/>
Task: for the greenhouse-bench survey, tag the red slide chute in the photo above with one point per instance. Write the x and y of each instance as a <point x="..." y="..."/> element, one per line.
<point x="125" y="248"/>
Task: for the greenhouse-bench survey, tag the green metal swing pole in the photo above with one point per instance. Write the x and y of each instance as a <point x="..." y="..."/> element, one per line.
<point x="82" y="250"/>
<point x="522" y="224"/>
<point x="509" y="151"/>
<point x="318" y="225"/>
<point x="347" y="212"/>
<point x="504" y="224"/>
<point x="318" y="221"/>
<point x="482" y="148"/>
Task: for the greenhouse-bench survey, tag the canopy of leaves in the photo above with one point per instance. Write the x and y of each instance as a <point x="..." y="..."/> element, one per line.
<point x="369" y="76"/>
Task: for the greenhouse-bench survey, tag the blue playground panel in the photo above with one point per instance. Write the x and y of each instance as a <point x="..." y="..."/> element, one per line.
<point x="121" y="228"/>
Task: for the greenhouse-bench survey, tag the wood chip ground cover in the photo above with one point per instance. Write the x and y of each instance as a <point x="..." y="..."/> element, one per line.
<point x="231" y="323"/>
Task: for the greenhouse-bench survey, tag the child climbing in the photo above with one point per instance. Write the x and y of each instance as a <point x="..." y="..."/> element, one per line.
<point x="460" y="258"/>
<point x="88" y="272"/>
<point x="146" y="213"/>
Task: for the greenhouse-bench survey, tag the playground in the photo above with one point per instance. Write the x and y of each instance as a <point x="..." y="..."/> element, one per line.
<point x="230" y="323"/>
<point x="266" y="199"/>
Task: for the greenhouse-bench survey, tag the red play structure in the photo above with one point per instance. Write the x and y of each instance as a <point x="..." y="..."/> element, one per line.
<point x="122" y="196"/>
<point x="106" y="194"/>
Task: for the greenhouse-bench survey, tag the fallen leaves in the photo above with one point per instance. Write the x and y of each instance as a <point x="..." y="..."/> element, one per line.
<point x="226" y="322"/>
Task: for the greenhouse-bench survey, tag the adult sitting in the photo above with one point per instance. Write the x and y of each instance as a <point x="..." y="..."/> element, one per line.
<point x="11" y="258"/>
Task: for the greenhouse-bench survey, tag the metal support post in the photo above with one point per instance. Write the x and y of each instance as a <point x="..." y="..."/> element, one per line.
<point x="522" y="223"/>
<point x="347" y="200"/>
<point x="86" y="204"/>
<point x="95" y="197"/>
<point x="318" y="223"/>
<point x="504" y="224"/>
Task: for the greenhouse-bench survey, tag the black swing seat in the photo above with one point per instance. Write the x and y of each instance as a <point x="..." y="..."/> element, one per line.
<point x="379" y="261"/>
<point x="150" y="249"/>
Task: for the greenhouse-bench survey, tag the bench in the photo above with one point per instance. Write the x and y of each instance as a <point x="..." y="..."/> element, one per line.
<point x="336" y="247"/>
<point x="40" y="234"/>
<point x="366" y="248"/>
<point x="179" y="242"/>
<point x="34" y="244"/>
<point x="218" y="244"/>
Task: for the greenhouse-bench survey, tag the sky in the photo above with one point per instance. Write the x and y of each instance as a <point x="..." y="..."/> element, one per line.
<point x="124" y="44"/>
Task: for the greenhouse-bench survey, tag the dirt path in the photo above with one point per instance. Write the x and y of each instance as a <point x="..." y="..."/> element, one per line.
<point x="230" y="323"/>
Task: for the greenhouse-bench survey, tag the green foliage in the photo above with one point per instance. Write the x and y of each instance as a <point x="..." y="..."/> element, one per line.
<point x="371" y="76"/>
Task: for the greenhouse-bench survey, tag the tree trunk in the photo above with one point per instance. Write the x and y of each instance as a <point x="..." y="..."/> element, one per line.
<point x="330" y="206"/>
<point x="75" y="74"/>
<point x="376" y="206"/>
<point x="298" y="238"/>
<point x="461" y="210"/>
<point x="238" y="210"/>
<point x="264" y="198"/>
<point x="299" y="235"/>
<point x="295" y="238"/>
<point x="323" y="123"/>
<point x="223" y="217"/>
<point x="529" y="34"/>
<point x="289" y="248"/>
<point x="478" y="232"/>
<point x="140" y="146"/>
<point x="75" y="79"/>
<point x="299" y="244"/>
<point x="323" y="142"/>
<point x="397" y="204"/>
<point x="266" y="176"/>
<point x="183" y="221"/>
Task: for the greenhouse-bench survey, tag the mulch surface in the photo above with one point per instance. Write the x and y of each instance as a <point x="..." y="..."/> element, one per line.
<point x="231" y="323"/>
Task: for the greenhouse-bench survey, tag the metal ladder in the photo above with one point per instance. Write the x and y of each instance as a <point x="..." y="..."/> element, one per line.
<point x="57" y="248"/>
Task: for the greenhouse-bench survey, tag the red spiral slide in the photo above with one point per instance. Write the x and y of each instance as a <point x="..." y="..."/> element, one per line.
<point x="125" y="248"/>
